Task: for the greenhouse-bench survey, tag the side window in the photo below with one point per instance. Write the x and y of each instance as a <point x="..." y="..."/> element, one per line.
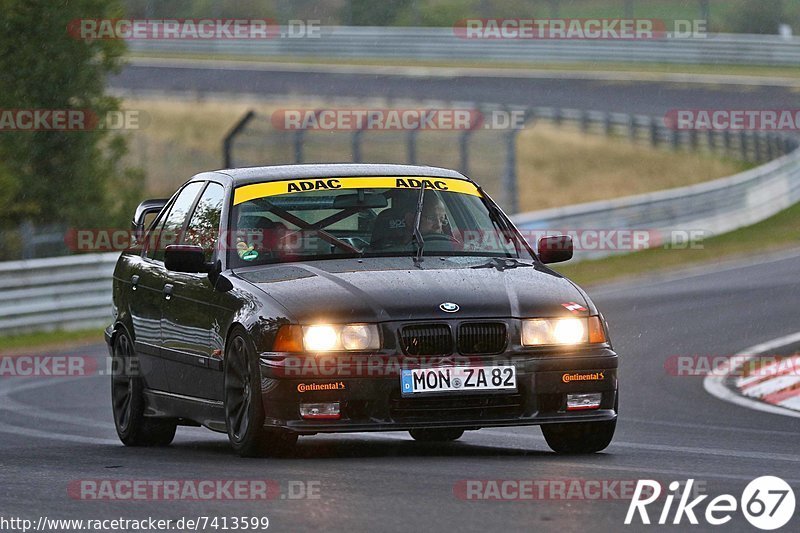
<point x="203" y="228"/>
<point x="169" y="232"/>
<point x="151" y="238"/>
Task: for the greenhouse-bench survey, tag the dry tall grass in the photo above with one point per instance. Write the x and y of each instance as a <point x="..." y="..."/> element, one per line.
<point x="556" y="166"/>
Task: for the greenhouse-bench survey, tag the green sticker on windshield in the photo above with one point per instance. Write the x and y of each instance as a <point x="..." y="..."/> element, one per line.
<point x="248" y="255"/>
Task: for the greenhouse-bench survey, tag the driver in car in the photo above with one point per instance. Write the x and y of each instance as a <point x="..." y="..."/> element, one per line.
<point x="394" y="226"/>
<point x="433" y="219"/>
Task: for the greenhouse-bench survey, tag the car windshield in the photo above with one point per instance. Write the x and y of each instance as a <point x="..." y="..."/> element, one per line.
<point x="301" y="220"/>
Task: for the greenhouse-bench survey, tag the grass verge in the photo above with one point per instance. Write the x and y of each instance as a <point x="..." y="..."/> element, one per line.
<point x="556" y="165"/>
<point x="652" y="69"/>
<point x="780" y="231"/>
<point x="49" y="340"/>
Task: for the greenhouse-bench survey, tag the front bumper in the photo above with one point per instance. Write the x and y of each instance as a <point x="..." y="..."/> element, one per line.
<point x="370" y="399"/>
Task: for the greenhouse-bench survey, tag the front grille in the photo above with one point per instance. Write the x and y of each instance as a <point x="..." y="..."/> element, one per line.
<point x="447" y="407"/>
<point x="480" y="338"/>
<point x="427" y="339"/>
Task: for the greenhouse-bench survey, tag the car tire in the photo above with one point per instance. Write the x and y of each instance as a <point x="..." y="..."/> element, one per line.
<point x="244" y="410"/>
<point x="436" y="434"/>
<point x="581" y="437"/>
<point x="128" y="403"/>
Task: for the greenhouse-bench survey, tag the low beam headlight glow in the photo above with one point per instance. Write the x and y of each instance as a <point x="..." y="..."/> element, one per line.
<point x="360" y="337"/>
<point x="320" y="338"/>
<point x="559" y="331"/>
<point x="328" y="338"/>
<point x="569" y="331"/>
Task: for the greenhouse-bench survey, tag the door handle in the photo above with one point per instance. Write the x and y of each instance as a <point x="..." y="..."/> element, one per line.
<point x="167" y="291"/>
<point x="134" y="282"/>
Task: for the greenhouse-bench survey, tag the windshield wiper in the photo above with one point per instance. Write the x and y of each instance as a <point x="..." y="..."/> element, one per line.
<point x="417" y="235"/>
<point x="503" y="263"/>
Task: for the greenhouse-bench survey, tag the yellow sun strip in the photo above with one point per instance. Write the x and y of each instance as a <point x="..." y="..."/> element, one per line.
<point x="275" y="188"/>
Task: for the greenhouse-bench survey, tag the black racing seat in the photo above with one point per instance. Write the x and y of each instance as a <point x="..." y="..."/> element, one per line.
<point x="390" y="229"/>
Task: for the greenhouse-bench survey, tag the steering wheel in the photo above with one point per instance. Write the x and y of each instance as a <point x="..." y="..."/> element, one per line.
<point x="440" y="237"/>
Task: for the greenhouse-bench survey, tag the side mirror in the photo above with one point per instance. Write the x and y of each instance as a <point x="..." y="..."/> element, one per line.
<point x="555" y="249"/>
<point x="148" y="207"/>
<point x="185" y="258"/>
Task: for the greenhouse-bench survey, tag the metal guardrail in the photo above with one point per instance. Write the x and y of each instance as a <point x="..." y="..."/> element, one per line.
<point x="75" y="291"/>
<point x="56" y="293"/>
<point x="443" y="44"/>
<point x="709" y="208"/>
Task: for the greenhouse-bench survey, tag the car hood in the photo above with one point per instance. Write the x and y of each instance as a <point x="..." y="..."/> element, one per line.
<point x="346" y="291"/>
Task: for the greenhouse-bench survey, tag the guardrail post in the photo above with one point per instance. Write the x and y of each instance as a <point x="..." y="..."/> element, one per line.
<point x="758" y="146"/>
<point x="476" y="121"/>
<point x="510" y="174"/>
<point x="411" y="146"/>
<point x="654" y="131"/>
<point x="693" y="139"/>
<point x="227" y="143"/>
<point x="770" y="147"/>
<point x="632" y="129"/>
<point x="585" y="121"/>
<point x="298" y="145"/>
<point x="726" y="140"/>
<point x="558" y="118"/>
<point x="675" y="139"/>
<point x="743" y="145"/>
<point x="607" y="124"/>
<point x="355" y="143"/>
<point x="463" y="151"/>
<point x="711" y="139"/>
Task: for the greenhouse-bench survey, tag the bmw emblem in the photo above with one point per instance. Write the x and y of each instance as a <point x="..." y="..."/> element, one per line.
<point x="449" y="307"/>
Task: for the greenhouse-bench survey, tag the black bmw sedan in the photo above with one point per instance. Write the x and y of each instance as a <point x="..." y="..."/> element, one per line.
<point x="274" y="302"/>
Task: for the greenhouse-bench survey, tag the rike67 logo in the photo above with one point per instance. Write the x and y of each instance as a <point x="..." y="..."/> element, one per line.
<point x="767" y="503"/>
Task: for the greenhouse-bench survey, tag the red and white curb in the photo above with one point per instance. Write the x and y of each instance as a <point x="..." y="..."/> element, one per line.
<point x="776" y="388"/>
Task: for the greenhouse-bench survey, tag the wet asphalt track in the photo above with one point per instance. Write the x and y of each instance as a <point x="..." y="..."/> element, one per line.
<point x="57" y="430"/>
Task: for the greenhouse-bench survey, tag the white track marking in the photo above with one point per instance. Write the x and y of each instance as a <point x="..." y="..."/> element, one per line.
<point x="733" y="429"/>
<point x="714" y="383"/>
<point x="15" y="407"/>
<point x="590" y="464"/>
<point x="717" y="452"/>
<point x="32" y="411"/>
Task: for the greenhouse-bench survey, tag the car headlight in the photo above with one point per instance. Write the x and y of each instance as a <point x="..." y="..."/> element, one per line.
<point x="320" y="338"/>
<point x="562" y="331"/>
<point x="327" y="338"/>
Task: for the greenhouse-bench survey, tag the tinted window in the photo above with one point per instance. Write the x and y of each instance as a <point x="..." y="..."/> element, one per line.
<point x="273" y="226"/>
<point x="169" y="232"/>
<point x="203" y="228"/>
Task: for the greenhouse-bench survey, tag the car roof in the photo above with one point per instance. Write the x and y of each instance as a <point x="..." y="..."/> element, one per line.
<point x="246" y="175"/>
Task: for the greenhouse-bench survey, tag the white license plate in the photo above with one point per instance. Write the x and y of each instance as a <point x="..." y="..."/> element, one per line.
<point x="458" y="379"/>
